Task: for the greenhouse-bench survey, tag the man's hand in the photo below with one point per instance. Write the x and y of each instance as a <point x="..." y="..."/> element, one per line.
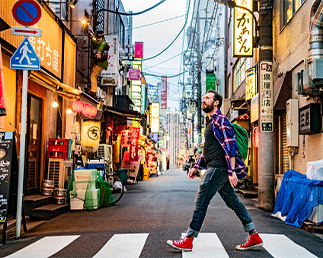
<point x="98" y="55"/>
<point x="233" y="179"/>
<point x="192" y="172"/>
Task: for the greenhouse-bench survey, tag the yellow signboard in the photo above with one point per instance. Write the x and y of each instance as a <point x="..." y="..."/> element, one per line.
<point x="243" y="29"/>
<point x="251" y="83"/>
<point x="154" y="117"/>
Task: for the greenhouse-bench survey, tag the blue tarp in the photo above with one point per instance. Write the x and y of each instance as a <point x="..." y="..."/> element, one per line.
<point x="297" y="196"/>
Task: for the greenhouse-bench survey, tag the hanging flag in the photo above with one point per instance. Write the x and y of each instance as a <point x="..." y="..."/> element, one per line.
<point x="3" y="104"/>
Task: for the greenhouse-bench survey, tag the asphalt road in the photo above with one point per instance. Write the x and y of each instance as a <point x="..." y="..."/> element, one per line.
<point x="161" y="208"/>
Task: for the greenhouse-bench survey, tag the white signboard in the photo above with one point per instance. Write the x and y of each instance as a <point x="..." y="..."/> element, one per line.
<point x="266" y="96"/>
<point x="110" y="77"/>
<point x="154" y="117"/>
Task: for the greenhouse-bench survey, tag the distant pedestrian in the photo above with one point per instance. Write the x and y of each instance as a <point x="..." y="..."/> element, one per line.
<point x="224" y="167"/>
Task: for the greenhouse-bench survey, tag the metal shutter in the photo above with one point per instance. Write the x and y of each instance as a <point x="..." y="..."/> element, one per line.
<point x="285" y="157"/>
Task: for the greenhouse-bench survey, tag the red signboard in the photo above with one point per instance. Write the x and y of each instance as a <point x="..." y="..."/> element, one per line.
<point x="163" y="93"/>
<point x="139" y="49"/>
<point x="26" y="12"/>
<point x="150" y="158"/>
<point x="135" y="131"/>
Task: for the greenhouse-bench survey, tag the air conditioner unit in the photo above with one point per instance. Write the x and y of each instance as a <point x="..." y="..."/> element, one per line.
<point x="60" y="171"/>
<point x="105" y="151"/>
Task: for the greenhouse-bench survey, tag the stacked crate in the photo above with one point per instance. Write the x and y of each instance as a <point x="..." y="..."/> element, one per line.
<point x="85" y="194"/>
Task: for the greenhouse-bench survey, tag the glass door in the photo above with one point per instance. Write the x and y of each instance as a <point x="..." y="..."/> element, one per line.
<point x="33" y="155"/>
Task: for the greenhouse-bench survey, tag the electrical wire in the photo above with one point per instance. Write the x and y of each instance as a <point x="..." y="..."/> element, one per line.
<point x="130" y="14"/>
<point x="158" y="75"/>
<point x="187" y="11"/>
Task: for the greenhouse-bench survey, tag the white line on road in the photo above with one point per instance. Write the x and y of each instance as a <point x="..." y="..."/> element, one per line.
<point x="123" y="246"/>
<point x="44" y="247"/>
<point x="206" y="245"/>
<point x="280" y="246"/>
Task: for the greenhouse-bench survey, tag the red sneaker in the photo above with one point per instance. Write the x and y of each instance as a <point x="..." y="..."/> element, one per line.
<point x="184" y="244"/>
<point x="252" y="242"/>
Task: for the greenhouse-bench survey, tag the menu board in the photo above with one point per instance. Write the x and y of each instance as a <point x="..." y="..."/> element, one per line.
<point x="6" y="150"/>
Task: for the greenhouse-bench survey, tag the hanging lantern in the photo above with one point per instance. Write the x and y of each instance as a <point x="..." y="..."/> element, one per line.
<point x="90" y="135"/>
<point x="78" y="106"/>
<point x="89" y="110"/>
<point x="256" y="136"/>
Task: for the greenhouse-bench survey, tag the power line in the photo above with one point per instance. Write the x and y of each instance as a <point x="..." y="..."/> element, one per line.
<point x="158" y="75"/>
<point x="149" y="58"/>
<point x="131" y="13"/>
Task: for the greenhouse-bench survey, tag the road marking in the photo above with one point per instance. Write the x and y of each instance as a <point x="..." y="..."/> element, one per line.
<point x="206" y="245"/>
<point x="44" y="247"/>
<point x="123" y="246"/>
<point x="280" y="246"/>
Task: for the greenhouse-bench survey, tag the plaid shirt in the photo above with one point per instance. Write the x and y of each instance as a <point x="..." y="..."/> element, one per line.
<point x="224" y="133"/>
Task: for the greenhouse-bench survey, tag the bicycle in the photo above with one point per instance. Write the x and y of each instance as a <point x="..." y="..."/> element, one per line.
<point x="115" y="182"/>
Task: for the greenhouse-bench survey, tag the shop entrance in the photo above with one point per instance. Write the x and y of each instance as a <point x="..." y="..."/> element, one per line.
<point x="33" y="155"/>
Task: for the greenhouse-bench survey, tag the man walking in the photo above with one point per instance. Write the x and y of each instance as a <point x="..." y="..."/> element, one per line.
<point x="224" y="167"/>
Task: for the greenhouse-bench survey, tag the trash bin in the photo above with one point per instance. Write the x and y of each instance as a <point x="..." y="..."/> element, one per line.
<point x="122" y="173"/>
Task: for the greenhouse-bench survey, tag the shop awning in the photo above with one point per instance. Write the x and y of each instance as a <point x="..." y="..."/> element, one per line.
<point x="126" y="113"/>
<point x="241" y="117"/>
<point x="239" y="104"/>
<point x="282" y="91"/>
<point x="52" y="84"/>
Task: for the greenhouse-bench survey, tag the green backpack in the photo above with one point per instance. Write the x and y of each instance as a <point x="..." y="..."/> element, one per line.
<point x="242" y="140"/>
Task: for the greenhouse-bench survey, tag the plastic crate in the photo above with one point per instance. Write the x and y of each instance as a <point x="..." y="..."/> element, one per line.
<point x="58" y="148"/>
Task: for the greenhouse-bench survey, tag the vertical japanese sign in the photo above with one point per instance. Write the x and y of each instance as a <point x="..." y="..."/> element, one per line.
<point x="134" y="143"/>
<point x="266" y="97"/>
<point x="155" y="117"/>
<point x="136" y="87"/>
<point x="210" y="81"/>
<point x="243" y="29"/>
<point x="110" y="77"/>
<point x="3" y="104"/>
<point x="251" y="83"/>
<point x="163" y="93"/>
<point x="139" y="50"/>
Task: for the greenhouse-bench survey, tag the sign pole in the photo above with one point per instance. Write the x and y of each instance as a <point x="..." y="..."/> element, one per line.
<point x="22" y="152"/>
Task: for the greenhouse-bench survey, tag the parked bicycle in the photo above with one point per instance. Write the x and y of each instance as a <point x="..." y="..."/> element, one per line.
<point x="115" y="182"/>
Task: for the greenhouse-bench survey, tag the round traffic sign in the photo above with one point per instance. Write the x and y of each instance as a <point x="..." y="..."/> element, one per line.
<point x="26" y="12"/>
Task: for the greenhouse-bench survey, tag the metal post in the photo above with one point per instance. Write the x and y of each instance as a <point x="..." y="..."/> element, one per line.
<point x="199" y="68"/>
<point x="22" y="152"/>
<point x="266" y="136"/>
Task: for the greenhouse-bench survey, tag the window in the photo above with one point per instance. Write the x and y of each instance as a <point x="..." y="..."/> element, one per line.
<point x="289" y="8"/>
<point x="59" y="7"/>
<point x="240" y="72"/>
<point x="121" y="30"/>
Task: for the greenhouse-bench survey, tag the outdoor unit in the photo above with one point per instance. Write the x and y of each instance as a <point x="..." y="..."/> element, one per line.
<point x="105" y="151"/>
<point x="60" y="171"/>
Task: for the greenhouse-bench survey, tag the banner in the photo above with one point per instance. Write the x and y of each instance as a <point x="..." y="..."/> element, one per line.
<point x="163" y="91"/>
<point x="110" y="77"/>
<point x="134" y="74"/>
<point x="139" y="50"/>
<point x="135" y="131"/>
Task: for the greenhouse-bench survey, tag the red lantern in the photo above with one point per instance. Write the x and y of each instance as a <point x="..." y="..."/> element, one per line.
<point x="89" y="110"/>
<point x="78" y="106"/>
<point x="256" y="136"/>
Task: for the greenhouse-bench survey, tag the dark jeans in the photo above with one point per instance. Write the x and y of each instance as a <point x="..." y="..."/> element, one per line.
<point x="216" y="180"/>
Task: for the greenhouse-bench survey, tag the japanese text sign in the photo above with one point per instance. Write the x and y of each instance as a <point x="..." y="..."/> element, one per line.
<point x="266" y="96"/>
<point x="251" y="83"/>
<point x="110" y="77"/>
<point x="135" y="131"/>
<point x="154" y="117"/>
<point x="139" y="49"/>
<point x="243" y="29"/>
<point x="134" y="74"/>
<point x="163" y="91"/>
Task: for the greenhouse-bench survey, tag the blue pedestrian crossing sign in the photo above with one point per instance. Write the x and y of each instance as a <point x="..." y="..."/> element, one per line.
<point x="25" y="57"/>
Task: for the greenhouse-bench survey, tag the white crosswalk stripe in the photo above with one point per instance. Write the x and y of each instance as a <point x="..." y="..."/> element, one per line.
<point x="44" y="247"/>
<point x="280" y="246"/>
<point x="132" y="245"/>
<point x="206" y="245"/>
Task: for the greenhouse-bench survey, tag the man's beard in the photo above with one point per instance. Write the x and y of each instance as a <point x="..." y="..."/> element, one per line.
<point x="208" y="108"/>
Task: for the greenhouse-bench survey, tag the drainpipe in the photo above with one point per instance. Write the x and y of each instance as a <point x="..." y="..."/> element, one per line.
<point x="316" y="31"/>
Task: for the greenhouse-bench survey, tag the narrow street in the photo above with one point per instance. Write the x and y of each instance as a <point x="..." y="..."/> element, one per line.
<point x="150" y="213"/>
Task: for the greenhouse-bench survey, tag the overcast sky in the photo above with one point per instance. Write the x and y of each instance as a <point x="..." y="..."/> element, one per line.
<point x="157" y="37"/>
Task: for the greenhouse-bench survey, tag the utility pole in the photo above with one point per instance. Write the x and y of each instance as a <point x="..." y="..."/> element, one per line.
<point x="266" y="136"/>
<point x="199" y="69"/>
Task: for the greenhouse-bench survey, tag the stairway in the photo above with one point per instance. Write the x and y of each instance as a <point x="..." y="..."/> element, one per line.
<point x="42" y="207"/>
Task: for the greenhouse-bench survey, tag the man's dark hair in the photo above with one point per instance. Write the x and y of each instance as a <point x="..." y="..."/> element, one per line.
<point x="217" y="96"/>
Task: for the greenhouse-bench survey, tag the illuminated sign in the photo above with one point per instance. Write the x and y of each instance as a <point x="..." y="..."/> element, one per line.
<point x="243" y="29"/>
<point x="136" y="87"/>
<point x="154" y="117"/>
<point x="251" y="83"/>
<point x="163" y="91"/>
